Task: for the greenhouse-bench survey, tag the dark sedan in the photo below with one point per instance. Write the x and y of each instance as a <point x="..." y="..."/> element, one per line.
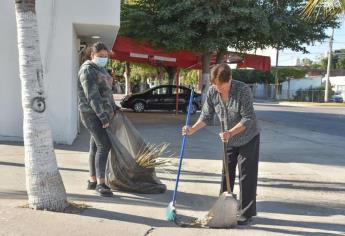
<point x="162" y="97"/>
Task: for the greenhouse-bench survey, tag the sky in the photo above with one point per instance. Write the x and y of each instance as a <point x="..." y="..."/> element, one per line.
<point x="288" y="57"/>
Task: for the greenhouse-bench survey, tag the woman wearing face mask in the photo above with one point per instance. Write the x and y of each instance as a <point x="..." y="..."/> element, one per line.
<point x="97" y="108"/>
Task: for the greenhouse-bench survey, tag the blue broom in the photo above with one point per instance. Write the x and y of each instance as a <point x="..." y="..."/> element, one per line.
<point x="171" y="210"/>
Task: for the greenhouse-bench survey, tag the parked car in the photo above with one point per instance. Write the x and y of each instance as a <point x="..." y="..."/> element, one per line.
<point x="162" y="97"/>
<point x="336" y="98"/>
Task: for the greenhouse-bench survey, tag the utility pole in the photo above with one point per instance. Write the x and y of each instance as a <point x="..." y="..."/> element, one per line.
<point x="276" y="82"/>
<point x="329" y="65"/>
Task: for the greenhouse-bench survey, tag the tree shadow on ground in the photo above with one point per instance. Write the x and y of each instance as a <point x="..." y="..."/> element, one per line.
<point x="6" y="163"/>
<point x="302" y="185"/>
<point x="120" y="216"/>
<point x="307" y="225"/>
<point x="186" y="201"/>
<point x="308" y="209"/>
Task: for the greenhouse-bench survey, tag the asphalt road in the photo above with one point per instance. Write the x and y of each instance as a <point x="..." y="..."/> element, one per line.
<point x="325" y="120"/>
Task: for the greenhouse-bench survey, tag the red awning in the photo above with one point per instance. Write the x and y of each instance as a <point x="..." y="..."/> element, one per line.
<point x="255" y="61"/>
<point x="127" y="49"/>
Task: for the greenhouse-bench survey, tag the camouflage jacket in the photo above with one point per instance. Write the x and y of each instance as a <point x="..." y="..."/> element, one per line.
<point x="94" y="91"/>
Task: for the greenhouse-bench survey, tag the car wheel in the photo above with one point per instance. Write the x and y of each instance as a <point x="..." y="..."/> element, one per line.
<point x="193" y="111"/>
<point x="138" y="106"/>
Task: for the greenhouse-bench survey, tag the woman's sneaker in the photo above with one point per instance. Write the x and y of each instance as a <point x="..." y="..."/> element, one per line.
<point x="103" y="190"/>
<point x="91" y="185"/>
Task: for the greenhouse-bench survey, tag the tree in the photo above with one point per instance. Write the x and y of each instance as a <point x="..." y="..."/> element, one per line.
<point x="189" y="77"/>
<point x="252" y="76"/>
<point x="307" y="62"/>
<point x="201" y="26"/>
<point x="43" y="181"/>
<point x="323" y="63"/>
<point x="285" y="73"/>
<point x="288" y="29"/>
<point x="340" y="63"/>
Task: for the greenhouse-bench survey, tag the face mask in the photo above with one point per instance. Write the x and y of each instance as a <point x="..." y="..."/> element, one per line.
<point x="101" y="61"/>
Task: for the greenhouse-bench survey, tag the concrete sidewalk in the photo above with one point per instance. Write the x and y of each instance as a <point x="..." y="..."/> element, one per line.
<point x="301" y="188"/>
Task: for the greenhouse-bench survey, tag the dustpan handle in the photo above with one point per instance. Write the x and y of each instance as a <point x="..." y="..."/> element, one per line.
<point x="225" y="159"/>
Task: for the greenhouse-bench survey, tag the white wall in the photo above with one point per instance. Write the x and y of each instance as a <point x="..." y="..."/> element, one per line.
<point x="338" y="84"/>
<point x="296" y="84"/>
<point x="60" y="22"/>
<point x="10" y="98"/>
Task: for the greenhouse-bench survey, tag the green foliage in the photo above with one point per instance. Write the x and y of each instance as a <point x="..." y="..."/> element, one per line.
<point x="340" y="63"/>
<point x="189" y="77"/>
<point x="288" y="29"/>
<point x="198" y="25"/>
<point x="117" y="67"/>
<point x="252" y="76"/>
<point x="138" y="72"/>
<point x="312" y="94"/>
<point x="141" y="71"/>
<point x="284" y="73"/>
<point x="323" y="63"/>
<point x="307" y="62"/>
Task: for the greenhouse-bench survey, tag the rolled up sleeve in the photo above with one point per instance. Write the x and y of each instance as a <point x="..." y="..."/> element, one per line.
<point x="207" y="111"/>
<point x="246" y="107"/>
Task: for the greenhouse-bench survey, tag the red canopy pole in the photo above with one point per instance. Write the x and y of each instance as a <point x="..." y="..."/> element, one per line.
<point x="177" y="88"/>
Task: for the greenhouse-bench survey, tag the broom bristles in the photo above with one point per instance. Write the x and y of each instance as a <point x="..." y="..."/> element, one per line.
<point x="171" y="212"/>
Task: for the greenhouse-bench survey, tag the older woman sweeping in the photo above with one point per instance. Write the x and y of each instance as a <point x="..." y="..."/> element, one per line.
<point x="241" y="133"/>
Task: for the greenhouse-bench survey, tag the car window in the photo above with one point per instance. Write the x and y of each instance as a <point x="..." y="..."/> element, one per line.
<point x="180" y="90"/>
<point x="160" y="91"/>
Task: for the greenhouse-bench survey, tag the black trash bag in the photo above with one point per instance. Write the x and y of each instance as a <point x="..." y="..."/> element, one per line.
<point x="122" y="170"/>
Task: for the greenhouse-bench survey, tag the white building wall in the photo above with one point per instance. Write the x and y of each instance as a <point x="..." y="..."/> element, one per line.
<point x="296" y="84"/>
<point x="61" y="23"/>
<point x="10" y="99"/>
<point x="338" y="84"/>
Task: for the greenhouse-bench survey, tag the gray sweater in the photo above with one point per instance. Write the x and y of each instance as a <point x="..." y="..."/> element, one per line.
<point x="239" y="108"/>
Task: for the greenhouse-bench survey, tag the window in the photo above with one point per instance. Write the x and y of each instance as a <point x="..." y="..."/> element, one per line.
<point x="180" y="90"/>
<point x="160" y="91"/>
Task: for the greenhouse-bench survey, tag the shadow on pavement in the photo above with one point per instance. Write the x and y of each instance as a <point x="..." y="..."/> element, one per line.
<point x="118" y="216"/>
<point x="186" y="201"/>
<point x="301" y="224"/>
<point x="4" y="163"/>
<point x="301" y="209"/>
<point x="302" y="185"/>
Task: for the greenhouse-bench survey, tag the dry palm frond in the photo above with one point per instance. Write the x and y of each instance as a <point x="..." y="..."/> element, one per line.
<point x="153" y="155"/>
<point x="330" y="7"/>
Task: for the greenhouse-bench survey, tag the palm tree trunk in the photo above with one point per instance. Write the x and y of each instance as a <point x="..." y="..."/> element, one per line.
<point x="43" y="181"/>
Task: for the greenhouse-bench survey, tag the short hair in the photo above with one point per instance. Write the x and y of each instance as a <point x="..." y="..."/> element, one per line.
<point x="98" y="46"/>
<point x="220" y="72"/>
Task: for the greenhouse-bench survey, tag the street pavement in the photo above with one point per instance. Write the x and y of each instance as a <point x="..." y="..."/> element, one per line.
<point x="301" y="186"/>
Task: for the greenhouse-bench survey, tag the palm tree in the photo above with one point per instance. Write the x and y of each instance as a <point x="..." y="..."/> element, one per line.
<point x="330" y="7"/>
<point x="43" y="181"/>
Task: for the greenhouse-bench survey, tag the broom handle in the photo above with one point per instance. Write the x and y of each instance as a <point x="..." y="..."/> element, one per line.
<point x="182" y="146"/>
<point x="225" y="159"/>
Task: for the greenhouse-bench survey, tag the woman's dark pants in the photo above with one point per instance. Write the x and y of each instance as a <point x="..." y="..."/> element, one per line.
<point x="99" y="144"/>
<point x="247" y="158"/>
